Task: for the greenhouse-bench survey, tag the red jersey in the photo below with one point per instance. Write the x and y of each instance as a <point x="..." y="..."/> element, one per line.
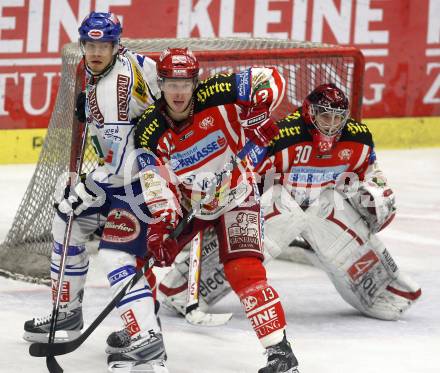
<point x="196" y="151"/>
<point x="304" y="170"/>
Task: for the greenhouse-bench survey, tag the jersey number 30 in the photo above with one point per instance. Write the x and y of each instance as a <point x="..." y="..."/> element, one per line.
<point x="302" y="154"/>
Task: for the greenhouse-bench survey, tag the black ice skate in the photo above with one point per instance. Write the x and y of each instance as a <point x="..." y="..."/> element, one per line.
<point x="280" y="359"/>
<point x="144" y="354"/>
<point x="120" y="339"/>
<point x="69" y="325"/>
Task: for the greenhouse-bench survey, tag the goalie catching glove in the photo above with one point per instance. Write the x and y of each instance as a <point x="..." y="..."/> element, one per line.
<point x="375" y="201"/>
<point x="80" y="200"/>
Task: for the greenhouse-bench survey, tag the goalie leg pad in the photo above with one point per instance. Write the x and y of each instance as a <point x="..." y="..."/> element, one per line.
<point x="357" y="262"/>
<point x="260" y="301"/>
<point x="136" y="308"/>
<point x="284" y="220"/>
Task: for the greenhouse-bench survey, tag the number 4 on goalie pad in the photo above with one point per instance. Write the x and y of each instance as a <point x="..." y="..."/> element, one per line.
<point x="357" y="262"/>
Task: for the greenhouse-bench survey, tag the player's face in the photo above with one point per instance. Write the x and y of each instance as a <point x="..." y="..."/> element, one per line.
<point x="178" y="93"/>
<point x="98" y="55"/>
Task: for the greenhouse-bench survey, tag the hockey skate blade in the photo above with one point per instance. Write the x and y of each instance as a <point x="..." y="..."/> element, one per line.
<point x="60" y="336"/>
<point x="131" y="367"/>
<point x="198" y="317"/>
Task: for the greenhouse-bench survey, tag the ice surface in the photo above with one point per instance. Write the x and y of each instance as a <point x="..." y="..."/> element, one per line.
<point x="328" y="335"/>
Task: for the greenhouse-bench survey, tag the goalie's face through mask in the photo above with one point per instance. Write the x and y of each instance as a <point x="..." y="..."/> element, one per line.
<point x="327" y="120"/>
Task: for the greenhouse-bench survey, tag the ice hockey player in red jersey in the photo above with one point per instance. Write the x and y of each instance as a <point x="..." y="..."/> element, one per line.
<point x="331" y="191"/>
<point x="184" y="142"/>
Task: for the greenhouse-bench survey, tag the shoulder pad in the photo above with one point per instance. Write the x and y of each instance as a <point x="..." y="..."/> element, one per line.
<point x="149" y="128"/>
<point x="292" y="131"/>
<point x="217" y="90"/>
<point x="357" y="132"/>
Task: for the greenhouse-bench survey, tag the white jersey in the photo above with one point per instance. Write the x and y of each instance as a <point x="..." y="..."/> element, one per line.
<point x="113" y="103"/>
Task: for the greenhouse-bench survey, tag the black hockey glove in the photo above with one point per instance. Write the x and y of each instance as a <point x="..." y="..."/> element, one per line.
<point x="80" y="108"/>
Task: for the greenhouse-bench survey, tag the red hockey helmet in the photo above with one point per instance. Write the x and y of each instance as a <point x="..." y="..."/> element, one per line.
<point x="326" y="108"/>
<point x="177" y="63"/>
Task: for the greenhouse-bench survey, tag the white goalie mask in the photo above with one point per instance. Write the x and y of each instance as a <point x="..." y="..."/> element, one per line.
<point x="326" y="108"/>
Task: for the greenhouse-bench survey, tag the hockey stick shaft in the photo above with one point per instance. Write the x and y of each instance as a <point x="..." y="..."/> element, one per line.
<point x="51" y="363"/>
<point x="195" y="266"/>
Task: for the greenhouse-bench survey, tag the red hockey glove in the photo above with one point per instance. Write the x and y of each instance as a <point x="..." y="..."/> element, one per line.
<point x="163" y="249"/>
<point x="258" y="126"/>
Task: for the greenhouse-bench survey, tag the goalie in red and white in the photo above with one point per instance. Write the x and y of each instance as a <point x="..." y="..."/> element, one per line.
<point x="332" y="192"/>
<point x="185" y="141"/>
<point x="317" y="149"/>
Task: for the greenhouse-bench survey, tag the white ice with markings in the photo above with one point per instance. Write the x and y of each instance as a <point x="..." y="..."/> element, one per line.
<point x="328" y="335"/>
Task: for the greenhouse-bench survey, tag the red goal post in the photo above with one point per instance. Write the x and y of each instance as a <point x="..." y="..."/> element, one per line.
<point x="26" y="250"/>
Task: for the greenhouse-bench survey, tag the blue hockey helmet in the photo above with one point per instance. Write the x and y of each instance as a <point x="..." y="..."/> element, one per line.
<point x="100" y="26"/>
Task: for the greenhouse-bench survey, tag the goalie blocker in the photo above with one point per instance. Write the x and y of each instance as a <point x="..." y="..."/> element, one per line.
<point x="356" y="261"/>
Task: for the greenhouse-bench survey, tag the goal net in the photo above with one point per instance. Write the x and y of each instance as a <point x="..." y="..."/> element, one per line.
<point x="26" y="250"/>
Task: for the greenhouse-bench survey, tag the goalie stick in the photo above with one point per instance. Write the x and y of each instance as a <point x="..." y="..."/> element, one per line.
<point x="194" y="315"/>
<point x="41" y="349"/>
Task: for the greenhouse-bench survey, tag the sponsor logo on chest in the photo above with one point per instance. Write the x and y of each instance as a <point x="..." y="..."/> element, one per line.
<point x="198" y="153"/>
<point x="315" y="175"/>
<point x="345" y="154"/>
<point x="207" y="122"/>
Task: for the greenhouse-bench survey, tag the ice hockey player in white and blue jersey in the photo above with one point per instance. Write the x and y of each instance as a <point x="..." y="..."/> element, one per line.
<point x="120" y="85"/>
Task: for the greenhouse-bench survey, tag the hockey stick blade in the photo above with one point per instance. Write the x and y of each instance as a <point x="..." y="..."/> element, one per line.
<point x="198" y="317"/>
